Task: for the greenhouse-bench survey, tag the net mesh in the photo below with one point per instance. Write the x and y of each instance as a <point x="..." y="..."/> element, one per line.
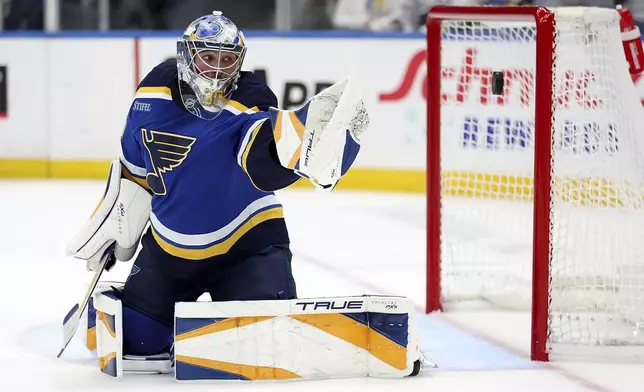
<point x="487" y="159"/>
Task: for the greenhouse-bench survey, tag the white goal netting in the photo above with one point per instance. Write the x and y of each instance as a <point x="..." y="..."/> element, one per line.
<point x="597" y="201"/>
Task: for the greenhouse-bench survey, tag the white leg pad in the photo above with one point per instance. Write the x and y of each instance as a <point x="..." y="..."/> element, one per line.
<point x="88" y="319"/>
<point x="109" y="333"/>
<point x="296" y="339"/>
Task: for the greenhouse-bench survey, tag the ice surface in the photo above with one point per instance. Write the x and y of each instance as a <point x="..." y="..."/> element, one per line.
<point x="344" y="243"/>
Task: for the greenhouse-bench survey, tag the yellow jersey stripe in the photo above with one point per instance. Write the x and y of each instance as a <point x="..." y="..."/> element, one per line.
<point x="241" y="107"/>
<point x="224" y="246"/>
<point x="247" y="151"/>
<point x="154" y="90"/>
<point x="141" y="181"/>
<point x="248" y="147"/>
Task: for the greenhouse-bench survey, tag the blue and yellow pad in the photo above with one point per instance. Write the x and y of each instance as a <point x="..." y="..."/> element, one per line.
<point x="109" y="333"/>
<point x="88" y="321"/>
<point x="295" y="339"/>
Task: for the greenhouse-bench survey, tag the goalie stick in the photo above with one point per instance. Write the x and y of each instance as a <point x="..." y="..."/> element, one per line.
<point x="71" y="320"/>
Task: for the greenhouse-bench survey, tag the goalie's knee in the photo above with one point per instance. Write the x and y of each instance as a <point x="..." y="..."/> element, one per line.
<point x="127" y="340"/>
<point x="144" y="335"/>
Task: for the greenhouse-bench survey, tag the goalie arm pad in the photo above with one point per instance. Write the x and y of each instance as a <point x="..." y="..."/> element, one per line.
<point x="120" y="217"/>
<point x="259" y="160"/>
<point x="301" y="338"/>
<point x="321" y="140"/>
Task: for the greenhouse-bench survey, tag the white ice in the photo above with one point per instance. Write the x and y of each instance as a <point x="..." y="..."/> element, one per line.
<point x="344" y="243"/>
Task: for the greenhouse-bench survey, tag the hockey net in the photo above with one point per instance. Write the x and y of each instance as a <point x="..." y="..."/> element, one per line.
<point x="566" y="241"/>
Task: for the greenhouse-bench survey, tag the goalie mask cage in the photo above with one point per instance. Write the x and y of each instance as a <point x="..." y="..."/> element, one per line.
<point x="534" y="193"/>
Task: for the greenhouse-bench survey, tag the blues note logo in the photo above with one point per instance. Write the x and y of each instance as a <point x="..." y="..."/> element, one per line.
<point x="167" y="151"/>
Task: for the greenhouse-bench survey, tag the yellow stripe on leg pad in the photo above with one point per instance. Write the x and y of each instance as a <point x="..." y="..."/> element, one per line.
<point x="249" y="372"/>
<point x="223" y="325"/>
<point x="90" y="342"/>
<point x="359" y="335"/>
<point x="102" y="317"/>
<point x="103" y="361"/>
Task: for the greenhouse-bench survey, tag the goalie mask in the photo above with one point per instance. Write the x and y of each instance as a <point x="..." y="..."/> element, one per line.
<point x="210" y="54"/>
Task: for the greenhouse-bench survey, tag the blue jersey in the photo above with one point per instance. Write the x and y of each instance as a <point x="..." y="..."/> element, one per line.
<point x="205" y="201"/>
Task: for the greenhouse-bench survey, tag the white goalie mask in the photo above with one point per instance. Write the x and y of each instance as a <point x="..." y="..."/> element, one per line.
<point x="210" y="54"/>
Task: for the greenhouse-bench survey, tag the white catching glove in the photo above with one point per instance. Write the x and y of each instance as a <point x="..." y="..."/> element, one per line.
<point x="321" y="140"/>
<point x="119" y="220"/>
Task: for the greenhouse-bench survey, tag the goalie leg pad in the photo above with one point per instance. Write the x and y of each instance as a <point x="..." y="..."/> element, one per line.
<point x="295" y="339"/>
<point x="90" y="326"/>
<point x="88" y="322"/>
<point x="109" y="333"/>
